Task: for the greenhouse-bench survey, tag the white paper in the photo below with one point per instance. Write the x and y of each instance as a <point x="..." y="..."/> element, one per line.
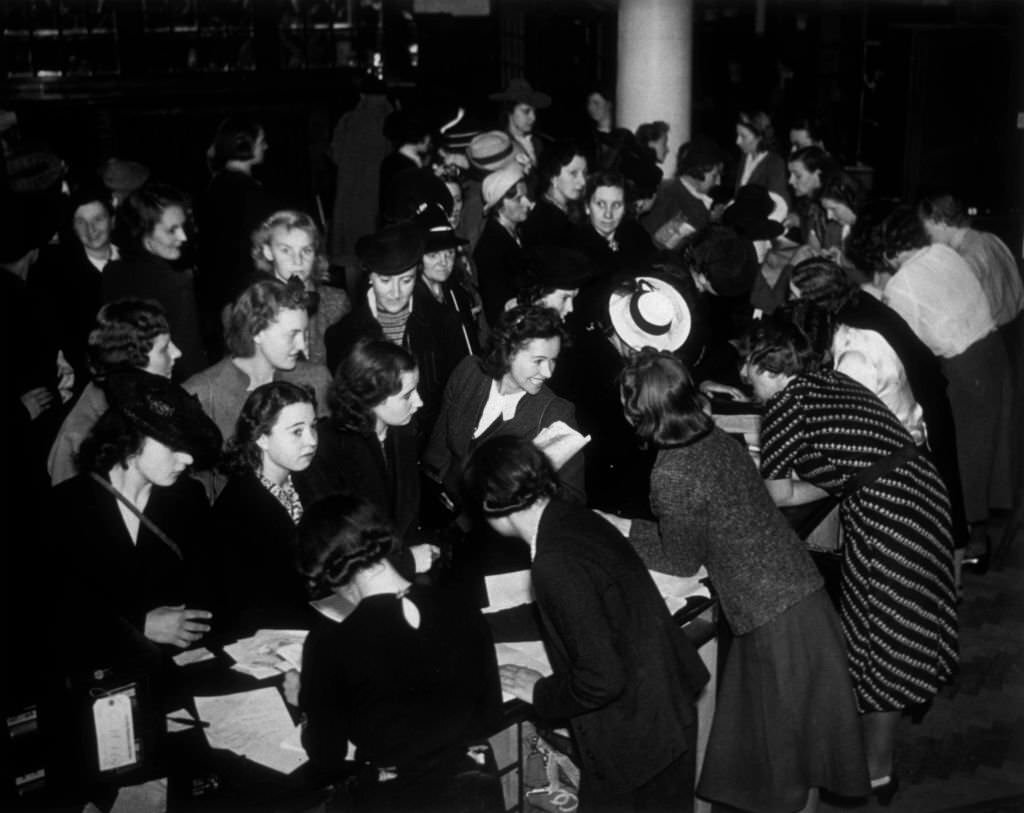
<point x="115" y="731"/>
<point x="505" y="590"/>
<point x="530" y="654"/>
<point x="677" y="589"/>
<point x="254" y="725"/>
<point x="267" y="653"/>
<point x="334" y="607"/>
<point x="149" y="797"/>
<point x="190" y="656"/>
<point x="560" y="442"/>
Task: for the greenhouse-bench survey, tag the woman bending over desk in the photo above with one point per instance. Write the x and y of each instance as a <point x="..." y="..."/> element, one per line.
<point x="786" y="723"/>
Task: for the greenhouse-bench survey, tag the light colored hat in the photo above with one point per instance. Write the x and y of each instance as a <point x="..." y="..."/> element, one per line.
<point x="498" y="183"/>
<point x="491" y="151"/>
<point x="650" y="312"/>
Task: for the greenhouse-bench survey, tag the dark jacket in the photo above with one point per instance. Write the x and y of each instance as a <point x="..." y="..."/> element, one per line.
<point x="465" y="396"/>
<point x="547" y="225"/>
<point x="634" y="252"/>
<point x="147" y="276"/>
<point x="673" y="198"/>
<point x="258" y="584"/>
<point x="624" y="673"/>
<point x="500" y="267"/>
<point x="432" y="334"/>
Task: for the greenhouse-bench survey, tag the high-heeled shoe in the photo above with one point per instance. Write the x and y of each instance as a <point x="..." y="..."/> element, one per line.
<point x="883" y="794"/>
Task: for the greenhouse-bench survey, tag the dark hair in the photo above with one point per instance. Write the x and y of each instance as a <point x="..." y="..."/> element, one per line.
<point x="256" y="308"/>
<point x="604" y="178"/>
<point x="944" y="208"/>
<point x="144" y="208"/>
<point x="815" y="159"/>
<point x="845" y="189"/>
<point x="760" y="124"/>
<point x="651" y="131"/>
<point x="235" y="140"/>
<point x="507" y="474"/>
<point x="110" y="442"/>
<point x="777" y="345"/>
<point x="369" y="374"/>
<point x="661" y="401"/>
<point x="863" y="245"/>
<point x="811" y="124"/>
<point x="903" y="231"/>
<point x="337" y="537"/>
<point x="124" y="334"/>
<point x="93" y="192"/>
<point x="554" y="160"/>
<point x="514" y="329"/>
<point x="822" y="282"/>
<point x="816" y="324"/>
<point x="257" y="418"/>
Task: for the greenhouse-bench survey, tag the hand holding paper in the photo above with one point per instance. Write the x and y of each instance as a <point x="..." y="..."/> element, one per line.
<point x="560" y="442"/>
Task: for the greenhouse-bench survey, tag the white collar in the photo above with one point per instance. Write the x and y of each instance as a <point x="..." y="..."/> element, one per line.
<point x="410" y="152"/>
<point x="705" y="199"/>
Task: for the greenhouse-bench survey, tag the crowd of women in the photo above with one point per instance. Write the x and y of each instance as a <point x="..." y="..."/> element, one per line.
<point x="522" y="374"/>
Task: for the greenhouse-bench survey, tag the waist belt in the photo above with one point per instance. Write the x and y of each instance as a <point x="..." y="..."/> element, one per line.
<point x="881" y="467"/>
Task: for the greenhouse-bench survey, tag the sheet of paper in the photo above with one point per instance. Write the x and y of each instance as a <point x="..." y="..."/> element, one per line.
<point x="505" y="590"/>
<point x="560" y="442"/>
<point x="115" y="731"/>
<point x="254" y="725"/>
<point x="677" y="589"/>
<point x="523" y="653"/>
<point x="149" y="797"/>
<point x="267" y="653"/>
<point x="190" y="656"/>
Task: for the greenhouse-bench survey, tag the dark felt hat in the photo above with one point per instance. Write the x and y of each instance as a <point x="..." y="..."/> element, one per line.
<point x="642" y="172"/>
<point x="413" y="188"/>
<point x="437" y="229"/>
<point x="727" y="260"/>
<point x="699" y="152"/>
<point x="749" y="214"/>
<point x="558" y="267"/>
<point x="520" y="92"/>
<point x="28" y="221"/>
<point x="391" y="250"/>
<point x="123" y="177"/>
<point x="162" y="410"/>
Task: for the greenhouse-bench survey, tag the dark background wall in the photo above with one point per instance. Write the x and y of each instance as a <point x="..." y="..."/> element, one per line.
<point x="922" y="92"/>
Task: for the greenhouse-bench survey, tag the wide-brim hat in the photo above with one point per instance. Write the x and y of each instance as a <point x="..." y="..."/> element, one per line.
<point x="558" y="267"/>
<point x="727" y="260"/>
<point x="123" y="177"/>
<point x="491" y="151"/>
<point x="392" y="250"/>
<point x="497" y="184"/>
<point x="750" y="214"/>
<point x="650" y="312"/>
<point x="520" y="92"/>
<point x="458" y="133"/>
<point x="34" y="172"/>
<point x="162" y="410"/>
<point x="437" y="229"/>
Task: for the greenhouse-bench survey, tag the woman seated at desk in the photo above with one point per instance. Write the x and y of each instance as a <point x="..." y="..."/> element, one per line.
<point x="786" y="722"/>
<point x="130" y="529"/>
<point x="255" y="515"/>
<point x="409" y="676"/>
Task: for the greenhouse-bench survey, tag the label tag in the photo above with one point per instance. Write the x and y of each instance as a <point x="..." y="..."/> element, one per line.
<point x="115" y="732"/>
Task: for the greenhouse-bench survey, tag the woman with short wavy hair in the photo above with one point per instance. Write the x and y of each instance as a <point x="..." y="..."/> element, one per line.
<point x="711" y="509"/>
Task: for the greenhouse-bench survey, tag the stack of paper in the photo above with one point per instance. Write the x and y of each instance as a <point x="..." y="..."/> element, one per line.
<point x="523" y="653"/>
<point x="268" y="652"/>
<point x="255" y="725"/>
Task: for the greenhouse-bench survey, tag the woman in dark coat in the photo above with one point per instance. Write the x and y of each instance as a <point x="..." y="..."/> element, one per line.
<point x="786" y="723"/>
<point x="130" y="529"/>
<point x="155" y="217"/>
<point x="562" y="179"/>
<point x="407" y="675"/>
<point x="624" y="674"/>
<point x="612" y="242"/>
<point x="255" y="515"/>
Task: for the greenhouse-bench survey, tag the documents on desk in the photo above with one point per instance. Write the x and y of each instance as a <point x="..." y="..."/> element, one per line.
<point x="255" y="725"/>
<point x="268" y="652"/>
<point x="190" y="656"/>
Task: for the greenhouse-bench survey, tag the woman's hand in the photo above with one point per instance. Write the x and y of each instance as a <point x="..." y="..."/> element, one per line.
<point x="290" y="687"/>
<point x="176" y="625"/>
<point x="711" y="388"/>
<point x="36" y="401"/>
<point x="621" y="524"/>
<point x="424" y="556"/>
<point x="519" y="681"/>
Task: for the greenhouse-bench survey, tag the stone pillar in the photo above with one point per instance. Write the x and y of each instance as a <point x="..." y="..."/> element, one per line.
<point x="655" y="68"/>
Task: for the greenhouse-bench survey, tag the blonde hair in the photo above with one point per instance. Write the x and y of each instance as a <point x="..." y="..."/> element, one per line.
<point x="287" y="219"/>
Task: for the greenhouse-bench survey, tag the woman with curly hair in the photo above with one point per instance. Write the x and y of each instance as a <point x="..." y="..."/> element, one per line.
<point x="823" y="433"/>
<point x="129" y="334"/>
<point x="368" y="447"/>
<point x="153" y="266"/>
<point x="288" y="244"/>
<point x="711" y="508"/>
<point x="408" y="676"/>
<point x="129" y="531"/>
<point x="256" y="513"/>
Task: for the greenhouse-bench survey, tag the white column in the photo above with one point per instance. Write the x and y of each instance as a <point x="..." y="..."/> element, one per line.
<point x="655" y="68"/>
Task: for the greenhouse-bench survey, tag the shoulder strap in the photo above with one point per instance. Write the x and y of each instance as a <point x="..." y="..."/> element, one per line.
<point x="170" y="543"/>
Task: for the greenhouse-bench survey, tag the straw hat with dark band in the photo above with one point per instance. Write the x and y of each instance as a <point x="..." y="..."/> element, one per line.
<point x="649" y="312"/>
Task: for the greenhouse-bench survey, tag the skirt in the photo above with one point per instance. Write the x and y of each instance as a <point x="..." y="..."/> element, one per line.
<point x="785" y="716"/>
